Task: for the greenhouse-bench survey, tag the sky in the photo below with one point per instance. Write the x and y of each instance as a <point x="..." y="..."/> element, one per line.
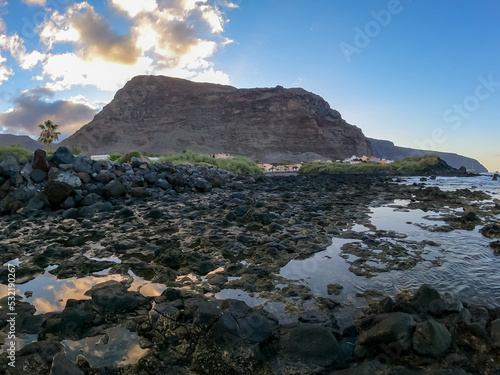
<point x="421" y="73"/>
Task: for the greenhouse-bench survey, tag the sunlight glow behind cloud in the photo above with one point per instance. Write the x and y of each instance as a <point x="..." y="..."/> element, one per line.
<point x="81" y="47"/>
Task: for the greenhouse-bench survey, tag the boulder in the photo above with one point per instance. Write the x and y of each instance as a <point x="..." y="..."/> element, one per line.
<point x="112" y="297"/>
<point x="62" y="156"/>
<point x="9" y="165"/>
<point x="81" y="165"/>
<point x="392" y="328"/>
<point x="431" y="338"/>
<point x="495" y="245"/>
<point x="428" y="300"/>
<point x="115" y="189"/>
<point x="310" y="344"/>
<point x="40" y="161"/>
<point x="57" y="191"/>
<point x="151" y="177"/>
<point x="202" y="185"/>
<point x="163" y="184"/>
<point x="70" y="179"/>
<point x="84" y="177"/>
<point x="38" y="175"/>
<point x="90" y="199"/>
<point x="103" y="176"/>
<point x="491" y="231"/>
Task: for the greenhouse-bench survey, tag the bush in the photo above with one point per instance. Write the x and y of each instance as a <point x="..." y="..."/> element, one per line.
<point x="76" y="151"/>
<point x="237" y="165"/>
<point x="410" y="164"/>
<point x="115" y="156"/>
<point x="19" y="152"/>
<point x="127" y="158"/>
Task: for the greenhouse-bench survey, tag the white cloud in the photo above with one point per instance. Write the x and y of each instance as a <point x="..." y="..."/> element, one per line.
<point x="67" y="70"/>
<point x="133" y="7"/>
<point x="5" y="71"/>
<point x="15" y="45"/>
<point x="35" y="2"/>
<point x="91" y="35"/>
<point x="169" y="37"/>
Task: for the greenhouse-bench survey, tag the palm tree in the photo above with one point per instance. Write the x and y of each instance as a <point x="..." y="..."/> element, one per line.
<point x="48" y="134"/>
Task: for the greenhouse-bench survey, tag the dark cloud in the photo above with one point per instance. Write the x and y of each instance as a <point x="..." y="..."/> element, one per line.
<point x="97" y="39"/>
<point x="32" y="108"/>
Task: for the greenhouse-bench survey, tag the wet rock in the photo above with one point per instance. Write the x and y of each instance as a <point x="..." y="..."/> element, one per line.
<point x="112" y="297"/>
<point x="495" y="334"/>
<point x="57" y="191"/>
<point x="334" y="289"/>
<point x="491" y="231"/>
<point x="392" y="328"/>
<point x="431" y="338"/>
<point x="36" y="358"/>
<point x="62" y="156"/>
<point x="428" y="300"/>
<point x="236" y="342"/>
<point x="495" y="245"/>
<point x="63" y="366"/>
<point x="311" y="344"/>
<point x="40" y="161"/>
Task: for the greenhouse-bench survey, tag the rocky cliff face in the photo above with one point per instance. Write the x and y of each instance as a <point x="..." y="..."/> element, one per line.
<point x="387" y="150"/>
<point x="159" y="114"/>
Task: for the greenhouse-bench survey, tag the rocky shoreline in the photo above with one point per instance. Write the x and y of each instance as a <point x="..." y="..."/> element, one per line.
<point x="199" y="231"/>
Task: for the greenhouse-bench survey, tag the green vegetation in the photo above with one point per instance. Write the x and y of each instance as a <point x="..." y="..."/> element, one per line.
<point x="237" y="165"/>
<point x="115" y="156"/>
<point x="19" y="152"/>
<point x="76" y="151"/>
<point x="127" y="158"/>
<point x="411" y="164"/>
<point x="48" y="133"/>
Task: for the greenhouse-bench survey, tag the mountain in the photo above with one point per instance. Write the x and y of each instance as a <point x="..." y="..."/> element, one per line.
<point x="387" y="150"/>
<point x="23" y="140"/>
<point x="157" y="114"/>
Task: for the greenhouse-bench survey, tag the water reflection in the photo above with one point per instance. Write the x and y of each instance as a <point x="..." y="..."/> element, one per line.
<point x="466" y="266"/>
<point x="118" y="347"/>
<point x="241" y="295"/>
<point x="50" y="294"/>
